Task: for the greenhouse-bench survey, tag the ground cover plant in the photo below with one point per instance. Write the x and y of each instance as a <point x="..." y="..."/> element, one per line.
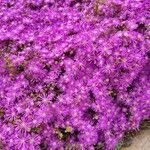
<point x="74" y="74"/>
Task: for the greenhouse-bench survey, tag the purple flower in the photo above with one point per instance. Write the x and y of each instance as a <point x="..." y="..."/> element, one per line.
<point x="72" y="73"/>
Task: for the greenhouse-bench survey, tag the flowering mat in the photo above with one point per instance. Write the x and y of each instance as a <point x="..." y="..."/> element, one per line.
<point x="74" y="74"/>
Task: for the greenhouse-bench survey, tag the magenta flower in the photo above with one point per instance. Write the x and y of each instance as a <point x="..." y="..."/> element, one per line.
<point x="74" y="74"/>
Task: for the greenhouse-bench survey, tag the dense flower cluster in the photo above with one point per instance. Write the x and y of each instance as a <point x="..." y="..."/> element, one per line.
<point x="74" y="74"/>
